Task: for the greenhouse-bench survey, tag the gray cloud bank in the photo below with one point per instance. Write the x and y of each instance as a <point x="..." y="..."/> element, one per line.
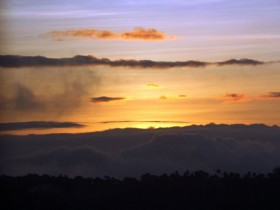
<point x="13" y="61"/>
<point x="37" y="125"/>
<point x="132" y="152"/>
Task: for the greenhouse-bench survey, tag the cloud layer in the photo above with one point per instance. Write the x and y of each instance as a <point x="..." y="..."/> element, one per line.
<point x="37" y="125"/>
<point x="132" y="152"/>
<point x="137" y="34"/>
<point x="12" y="61"/>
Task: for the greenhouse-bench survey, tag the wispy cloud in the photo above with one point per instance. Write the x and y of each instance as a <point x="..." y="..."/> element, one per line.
<point x="11" y="61"/>
<point x="103" y="99"/>
<point x="152" y="85"/>
<point x="270" y="95"/>
<point x="139" y="34"/>
<point x="60" y="92"/>
<point x="163" y="97"/>
<point x="24" y="99"/>
<point x="235" y="97"/>
<point x="37" y="125"/>
<point x="144" y="34"/>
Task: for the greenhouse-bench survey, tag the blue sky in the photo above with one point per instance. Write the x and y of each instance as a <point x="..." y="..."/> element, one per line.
<point x="205" y="29"/>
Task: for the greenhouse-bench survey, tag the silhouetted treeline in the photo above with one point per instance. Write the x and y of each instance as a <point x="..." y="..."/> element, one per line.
<point x="197" y="190"/>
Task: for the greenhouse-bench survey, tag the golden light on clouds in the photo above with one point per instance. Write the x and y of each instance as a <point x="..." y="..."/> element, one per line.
<point x="163" y="97"/>
<point x="143" y="34"/>
<point x="136" y="34"/>
<point x="153" y="86"/>
<point x="182" y="96"/>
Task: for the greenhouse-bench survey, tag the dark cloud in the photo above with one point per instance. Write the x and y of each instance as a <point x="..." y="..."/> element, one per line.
<point x="240" y="62"/>
<point x="132" y="152"/>
<point x="182" y="96"/>
<point x="37" y="125"/>
<point x="105" y="99"/>
<point x="270" y="95"/>
<point x="137" y="34"/>
<point x="10" y="61"/>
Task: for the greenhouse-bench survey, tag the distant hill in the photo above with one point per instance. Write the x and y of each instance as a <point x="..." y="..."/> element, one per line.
<point x="132" y="152"/>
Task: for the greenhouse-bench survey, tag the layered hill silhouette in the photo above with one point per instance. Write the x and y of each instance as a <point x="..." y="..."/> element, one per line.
<point x="132" y="152"/>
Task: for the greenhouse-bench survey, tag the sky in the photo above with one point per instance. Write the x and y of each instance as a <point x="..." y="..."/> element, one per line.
<point x="127" y="63"/>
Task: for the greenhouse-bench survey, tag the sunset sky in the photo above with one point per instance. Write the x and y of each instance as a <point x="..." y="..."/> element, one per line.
<point x="126" y="63"/>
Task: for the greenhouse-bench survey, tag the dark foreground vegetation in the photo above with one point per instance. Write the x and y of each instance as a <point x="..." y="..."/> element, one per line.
<point x="197" y="190"/>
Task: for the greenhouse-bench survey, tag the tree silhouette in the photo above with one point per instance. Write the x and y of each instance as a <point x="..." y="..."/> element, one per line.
<point x="196" y="190"/>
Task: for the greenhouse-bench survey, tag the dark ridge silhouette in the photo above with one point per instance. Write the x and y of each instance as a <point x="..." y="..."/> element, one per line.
<point x="196" y="190"/>
<point x="37" y="125"/>
<point x="12" y="61"/>
<point x="132" y="152"/>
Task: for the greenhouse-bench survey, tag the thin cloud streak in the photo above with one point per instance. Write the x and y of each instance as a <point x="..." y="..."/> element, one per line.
<point x="153" y="85"/>
<point x="137" y="34"/>
<point x="105" y="99"/>
<point x="37" y="125"/>
<point x="16" y="61"/>
<point x="235" y="97"/>
<point x="143" y="121"/>
<point x="270" y="95"/>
